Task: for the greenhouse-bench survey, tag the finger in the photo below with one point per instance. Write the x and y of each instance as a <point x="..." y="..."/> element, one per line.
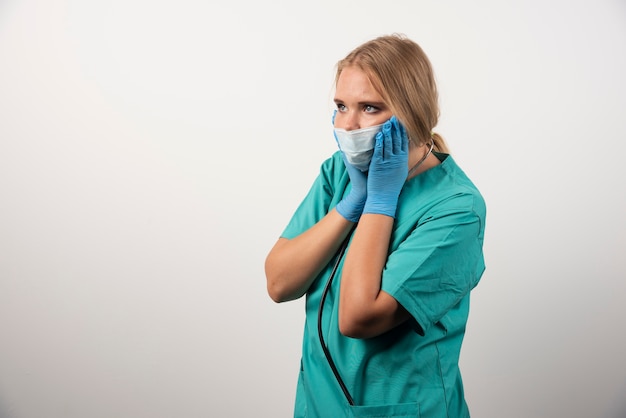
<point x="397" y="136"/>
<point x="378" y="147"/>
<point x="404" y="143"/>
<point x="388" y="139"/>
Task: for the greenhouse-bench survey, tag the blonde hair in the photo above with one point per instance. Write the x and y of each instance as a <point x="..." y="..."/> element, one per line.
<point x="402" y="74"/>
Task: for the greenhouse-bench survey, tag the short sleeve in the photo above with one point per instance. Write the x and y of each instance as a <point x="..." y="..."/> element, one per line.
<point x="441" y="260"/>
<point x="326" y="191"/>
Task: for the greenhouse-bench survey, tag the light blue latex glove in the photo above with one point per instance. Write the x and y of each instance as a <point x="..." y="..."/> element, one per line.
<point x="351" y="206"/>
<point x="388" y="170"/>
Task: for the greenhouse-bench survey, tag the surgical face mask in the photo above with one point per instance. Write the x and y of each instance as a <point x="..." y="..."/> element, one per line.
<point x="358" y="145"/>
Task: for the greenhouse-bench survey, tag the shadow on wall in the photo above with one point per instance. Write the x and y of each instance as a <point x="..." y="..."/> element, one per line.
<point x="619" y="411"/>
<point x="5" y="410"/>
<point x="617" y="408"/>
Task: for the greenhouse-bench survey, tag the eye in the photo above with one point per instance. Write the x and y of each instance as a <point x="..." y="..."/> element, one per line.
<point x="341" y="107"/>
<point x="370" y="109"/>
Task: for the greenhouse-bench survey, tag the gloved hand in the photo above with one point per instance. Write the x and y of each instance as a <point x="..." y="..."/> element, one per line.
<point x="388" y="169"/>
<point x="351" y="206"/>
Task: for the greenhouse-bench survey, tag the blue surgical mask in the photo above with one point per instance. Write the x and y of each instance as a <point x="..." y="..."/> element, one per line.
<point x="358" y="145"/>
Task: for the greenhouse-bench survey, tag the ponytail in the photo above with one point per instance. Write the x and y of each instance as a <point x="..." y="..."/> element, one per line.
<point x="440" y="143"/>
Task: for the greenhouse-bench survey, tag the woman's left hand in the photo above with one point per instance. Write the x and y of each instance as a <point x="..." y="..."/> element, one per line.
<point x="388" y="170"/>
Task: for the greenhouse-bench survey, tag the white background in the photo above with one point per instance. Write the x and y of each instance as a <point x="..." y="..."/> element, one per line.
<point x="151" y="153"/>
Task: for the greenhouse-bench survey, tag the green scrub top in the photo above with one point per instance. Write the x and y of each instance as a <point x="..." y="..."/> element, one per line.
<point x="435" y="259"/>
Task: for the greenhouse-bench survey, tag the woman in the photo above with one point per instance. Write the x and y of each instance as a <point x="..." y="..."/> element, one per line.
<point x="383" y="339"/>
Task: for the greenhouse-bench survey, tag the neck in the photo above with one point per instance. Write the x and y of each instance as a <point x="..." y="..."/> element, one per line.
<point x="422" y="159"/>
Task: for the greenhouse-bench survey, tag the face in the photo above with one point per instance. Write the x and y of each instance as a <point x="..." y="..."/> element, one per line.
<point x="358" y="103"/>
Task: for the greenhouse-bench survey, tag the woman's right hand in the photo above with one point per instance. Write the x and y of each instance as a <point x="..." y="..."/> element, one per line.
<point x="351" y="206"/>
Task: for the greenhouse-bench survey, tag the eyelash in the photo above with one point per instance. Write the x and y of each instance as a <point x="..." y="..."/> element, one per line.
<point x="374" y="109"/>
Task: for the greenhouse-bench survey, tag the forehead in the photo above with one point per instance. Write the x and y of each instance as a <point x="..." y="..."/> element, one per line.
<point x="353" y="82"/>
